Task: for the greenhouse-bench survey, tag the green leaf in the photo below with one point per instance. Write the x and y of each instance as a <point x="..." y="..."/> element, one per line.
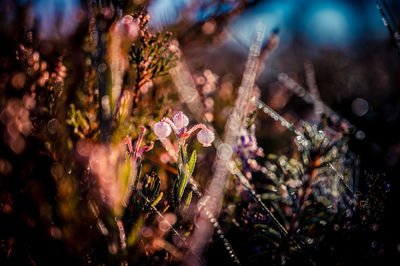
<point x="139" y="173"/>
<point x="269" y="233"/>
<point x="188" y="200"/>
<point x="155" y="189"/>
<point x="183" y="153"/>
<point x="183" y="182"/>
<point x="135" y="232"/>
<point x="154" y="203"/>
<point x="192" y="163"/>
<point x="126" y="174"/>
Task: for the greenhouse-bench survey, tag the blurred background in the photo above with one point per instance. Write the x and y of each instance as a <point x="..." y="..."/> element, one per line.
<point x="356" y="65"/>
<point x="354" y="56"/>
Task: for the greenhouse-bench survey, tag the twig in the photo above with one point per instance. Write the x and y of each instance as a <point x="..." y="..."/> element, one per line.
<point x="312" y="86"/>
<point x="216" y="187"/>
<point x="275" y="116"/>
<point x="311" y="99"/>
<point x="389" y="22"/>
<point x="342" y="181"/>
<point x="98" y="40"/>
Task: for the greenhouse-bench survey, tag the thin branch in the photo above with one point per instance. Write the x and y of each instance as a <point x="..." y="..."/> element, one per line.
<point x="388" y="22"/>
<point x="275" y="116"/>
<point x="310" y="98"/>
<point x="342" y="181"/>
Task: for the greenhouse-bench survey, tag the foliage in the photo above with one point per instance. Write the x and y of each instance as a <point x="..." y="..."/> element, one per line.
<point x="73" y="182"/>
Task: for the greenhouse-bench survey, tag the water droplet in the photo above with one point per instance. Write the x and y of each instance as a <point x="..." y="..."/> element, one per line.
<point x="55" y="232"/>
<point x="102" y="67"/>
<point x="52" y="126"/>
<point x="359" y="106"/>
<point x="105" y="104"/>
<point x="282" y="77"/>
<point x="360" y="135"/>
<point x="224" y="151"/>
<point x="336" y="227"/>
<point x="56" y="170"/>
<point x="334" y="118"/>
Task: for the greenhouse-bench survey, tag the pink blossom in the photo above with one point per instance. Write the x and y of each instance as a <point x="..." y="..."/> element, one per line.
<point x="180" y="120"/>
<point x="129" y="27"/>
<point x="205" y="137"/>
<point x="162" y="129"/>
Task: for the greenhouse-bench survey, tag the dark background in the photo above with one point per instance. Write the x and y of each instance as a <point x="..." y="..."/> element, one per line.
<point x="353" y="54"/>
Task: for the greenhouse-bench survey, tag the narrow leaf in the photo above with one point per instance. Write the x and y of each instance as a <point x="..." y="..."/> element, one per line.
<point x="192" y="163"/>
<point x="154" y="203"/>
<point x="184" y="182"/>
<point x="188" y="200"/>
<point x="134" y="234"/>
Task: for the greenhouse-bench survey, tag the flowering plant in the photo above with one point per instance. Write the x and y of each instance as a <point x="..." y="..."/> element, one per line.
<point x="70" y="103"/>
<point x="178" y="125"/>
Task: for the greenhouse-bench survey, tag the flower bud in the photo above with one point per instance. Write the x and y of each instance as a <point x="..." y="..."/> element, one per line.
<point x="162" y="130"/>
<point x="205" y="137"/>
<point x="180" y="120"/>
<point x="129" y="27"/>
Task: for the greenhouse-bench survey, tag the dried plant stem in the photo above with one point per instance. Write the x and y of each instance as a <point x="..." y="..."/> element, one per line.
<point x="275" y="116"/>
<point x="215" y="190"/>
<point x="349" y="191"/>
<point x="189" y="95"/>
<point x="102" y="74"/>
<point x="139" y="84"/>
<point x="267" y="49"/>
<point x="389" y="22"/>
<point x="303" y="93"/>
<point x="311" y="98"/>
<point x="186" y="88"/>
<point x="312" y="85"/>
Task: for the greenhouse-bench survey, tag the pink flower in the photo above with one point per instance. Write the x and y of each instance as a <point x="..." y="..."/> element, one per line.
<point x="162" y="130"/>
<point x="129" y="27"/>
<point x="180" y="120"/>
<point x="205" y="137"/>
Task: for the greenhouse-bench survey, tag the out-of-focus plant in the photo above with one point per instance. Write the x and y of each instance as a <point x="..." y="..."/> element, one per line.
<point x="307" y="193"/>
<point x="69" y="113"/>
<point x="150" y="56"/>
